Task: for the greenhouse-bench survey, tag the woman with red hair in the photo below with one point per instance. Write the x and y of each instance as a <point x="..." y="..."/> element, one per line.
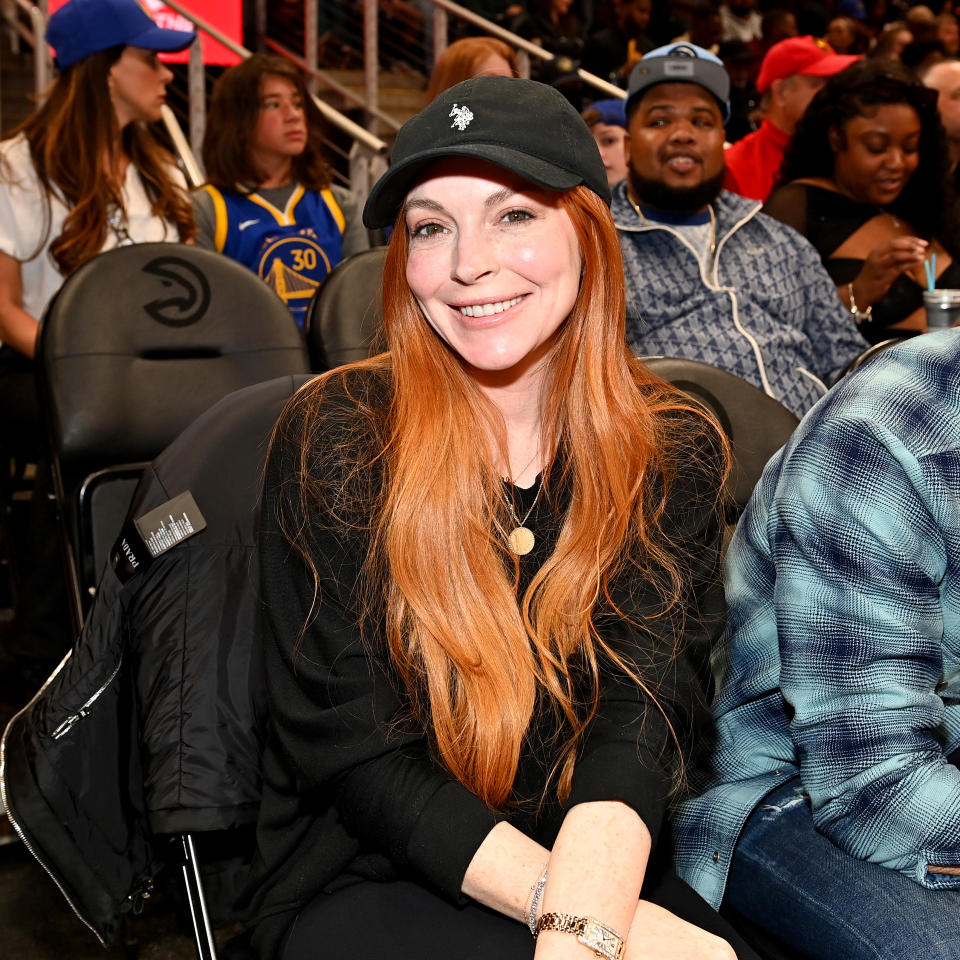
<point x="468" y="58"/>
<point x="489" y="572"/>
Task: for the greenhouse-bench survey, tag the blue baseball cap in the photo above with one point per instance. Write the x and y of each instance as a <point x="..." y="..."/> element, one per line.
<point x="612" y="112"/>
<point x="82" y="27"/>
<point x="681" y="63"/>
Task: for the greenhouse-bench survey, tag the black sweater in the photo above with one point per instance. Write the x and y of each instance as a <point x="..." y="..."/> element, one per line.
<point x="349" y="792"/>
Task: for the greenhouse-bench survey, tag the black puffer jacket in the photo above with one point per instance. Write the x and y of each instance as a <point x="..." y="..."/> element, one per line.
<point x="151" y="724"/>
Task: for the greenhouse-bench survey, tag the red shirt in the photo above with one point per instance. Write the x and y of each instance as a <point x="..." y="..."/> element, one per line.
<point x="752" y="163"/>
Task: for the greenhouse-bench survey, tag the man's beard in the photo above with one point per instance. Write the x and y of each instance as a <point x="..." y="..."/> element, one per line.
<point x="679" y="200"/>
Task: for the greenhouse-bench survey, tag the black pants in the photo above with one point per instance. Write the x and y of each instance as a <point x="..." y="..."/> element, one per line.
<point x="404" y="921"/>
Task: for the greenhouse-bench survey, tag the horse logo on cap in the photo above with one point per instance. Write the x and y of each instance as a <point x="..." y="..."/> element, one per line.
<point x="461" y="117"/>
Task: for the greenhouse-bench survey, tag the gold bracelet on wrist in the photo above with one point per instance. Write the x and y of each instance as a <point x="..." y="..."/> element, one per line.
<point x="601" y="939"/>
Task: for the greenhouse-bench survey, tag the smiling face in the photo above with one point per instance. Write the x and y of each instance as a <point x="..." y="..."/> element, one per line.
<point x="676" y="146"/>
<point x="281" y="128"/>
<point x="494" y="263"/>
<point x="138" y="86"/>
<point x="875" y="156"/>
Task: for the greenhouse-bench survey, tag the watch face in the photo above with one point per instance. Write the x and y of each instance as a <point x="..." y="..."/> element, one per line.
<point x="602" y="939"/>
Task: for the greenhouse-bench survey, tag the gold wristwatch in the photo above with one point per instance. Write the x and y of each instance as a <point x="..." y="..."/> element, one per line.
<point x="600" y="938"/>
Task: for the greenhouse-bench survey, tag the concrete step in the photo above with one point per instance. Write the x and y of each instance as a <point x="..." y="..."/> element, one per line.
<point x="400" y="91"/>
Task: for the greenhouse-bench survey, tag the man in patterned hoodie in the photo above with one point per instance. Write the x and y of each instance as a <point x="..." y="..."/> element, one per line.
<point x="708" y="276"/>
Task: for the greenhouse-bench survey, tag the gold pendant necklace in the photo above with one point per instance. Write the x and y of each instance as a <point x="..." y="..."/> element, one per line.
<point x="521" y="539"/>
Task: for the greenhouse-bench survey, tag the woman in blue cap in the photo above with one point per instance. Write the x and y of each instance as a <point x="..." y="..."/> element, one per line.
<point x="83" y="173"/>
<point x="489" y="576"/>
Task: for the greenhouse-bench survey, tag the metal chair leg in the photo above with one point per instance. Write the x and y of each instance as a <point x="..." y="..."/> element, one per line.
<point x="202" y="929"/>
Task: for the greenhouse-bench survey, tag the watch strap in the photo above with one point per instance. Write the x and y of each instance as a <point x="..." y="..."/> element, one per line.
<point x="603" y="940"/>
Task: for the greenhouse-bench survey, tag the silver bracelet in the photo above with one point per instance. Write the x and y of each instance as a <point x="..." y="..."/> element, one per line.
<point x="859" y="316"/>
<point x="535" y="902"/>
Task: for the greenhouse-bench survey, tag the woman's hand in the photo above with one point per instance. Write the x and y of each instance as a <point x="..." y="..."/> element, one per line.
<point x="657" y="934"/>
<point x="884" y="264"/>
<point x="17" y="328"/>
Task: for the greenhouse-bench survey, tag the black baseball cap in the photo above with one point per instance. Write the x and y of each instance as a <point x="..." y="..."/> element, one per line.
<point x="525" y="127"/>
<point x="681" y="63"/>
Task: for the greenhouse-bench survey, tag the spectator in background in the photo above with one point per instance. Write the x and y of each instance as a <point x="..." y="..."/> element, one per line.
<point x="269" y="202"/>
<point x="670" y="19"/>
<point x="948" y="34"/>
<point x="613" y="52"/>
<point x="554" y="25"/>
<point x="471" y="57"/>
<point x="891" y="41"/>
<point x="865" y="180"/>
<point x="709" y="277"/>
<point x="854" y="9"/>
<point x="706" y="27"/>
<point x="790" y="75"/>
<point x="922" y="23"/>
<point x="740" y="63"/>
<point x="84" y="173"/>
<point x="740" y="20"/>
<point x="841" y="34"/>
<point x="944" y="77"/>
<point x="607" y="121"/>
<point x="776" y="25"/>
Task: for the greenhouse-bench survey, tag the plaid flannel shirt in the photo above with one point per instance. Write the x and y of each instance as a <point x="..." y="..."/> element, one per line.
<point x="843" y="586"/>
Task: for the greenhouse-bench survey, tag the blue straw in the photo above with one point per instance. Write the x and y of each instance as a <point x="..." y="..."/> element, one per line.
<point x="930" y="268"/>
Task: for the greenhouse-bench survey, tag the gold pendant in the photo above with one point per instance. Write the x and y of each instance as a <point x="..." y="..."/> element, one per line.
<point x="521" y="541"/>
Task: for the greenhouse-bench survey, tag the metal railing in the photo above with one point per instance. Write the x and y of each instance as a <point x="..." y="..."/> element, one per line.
<point x="345" y="92"/>
<point x="441" y="14"/>
<point x="42" y="64"/>
<point x="442" y="11"/>
<point x="367" y="158"/>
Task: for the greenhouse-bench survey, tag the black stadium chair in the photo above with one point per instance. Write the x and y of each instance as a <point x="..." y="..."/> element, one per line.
<point x="345" y="315"/>
<point x="868" y="354"/>
<point x="138" y="342"/>
<point x="755" y="424"/>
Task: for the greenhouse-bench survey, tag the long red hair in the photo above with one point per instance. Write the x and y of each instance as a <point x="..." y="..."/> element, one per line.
<point x="471" y="654"/>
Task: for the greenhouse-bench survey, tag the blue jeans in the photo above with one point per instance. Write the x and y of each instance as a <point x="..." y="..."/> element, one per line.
<point x="809" y="894"/>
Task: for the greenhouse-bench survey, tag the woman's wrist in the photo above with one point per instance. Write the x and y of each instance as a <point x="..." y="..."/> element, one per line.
<point x="861" y="310"/>
<point x="534" y="906"/>
<point x="603" y="940"/>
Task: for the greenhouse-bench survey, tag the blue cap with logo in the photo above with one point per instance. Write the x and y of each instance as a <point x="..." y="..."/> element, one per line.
<point x="82" y="27"/>
<point x="681" y="62"/>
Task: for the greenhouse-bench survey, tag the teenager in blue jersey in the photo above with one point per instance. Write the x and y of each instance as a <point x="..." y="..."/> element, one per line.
<point x="269" y="202"/>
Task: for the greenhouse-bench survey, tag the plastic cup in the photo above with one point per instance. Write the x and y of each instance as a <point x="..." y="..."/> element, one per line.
<point x="943" y="308"/>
